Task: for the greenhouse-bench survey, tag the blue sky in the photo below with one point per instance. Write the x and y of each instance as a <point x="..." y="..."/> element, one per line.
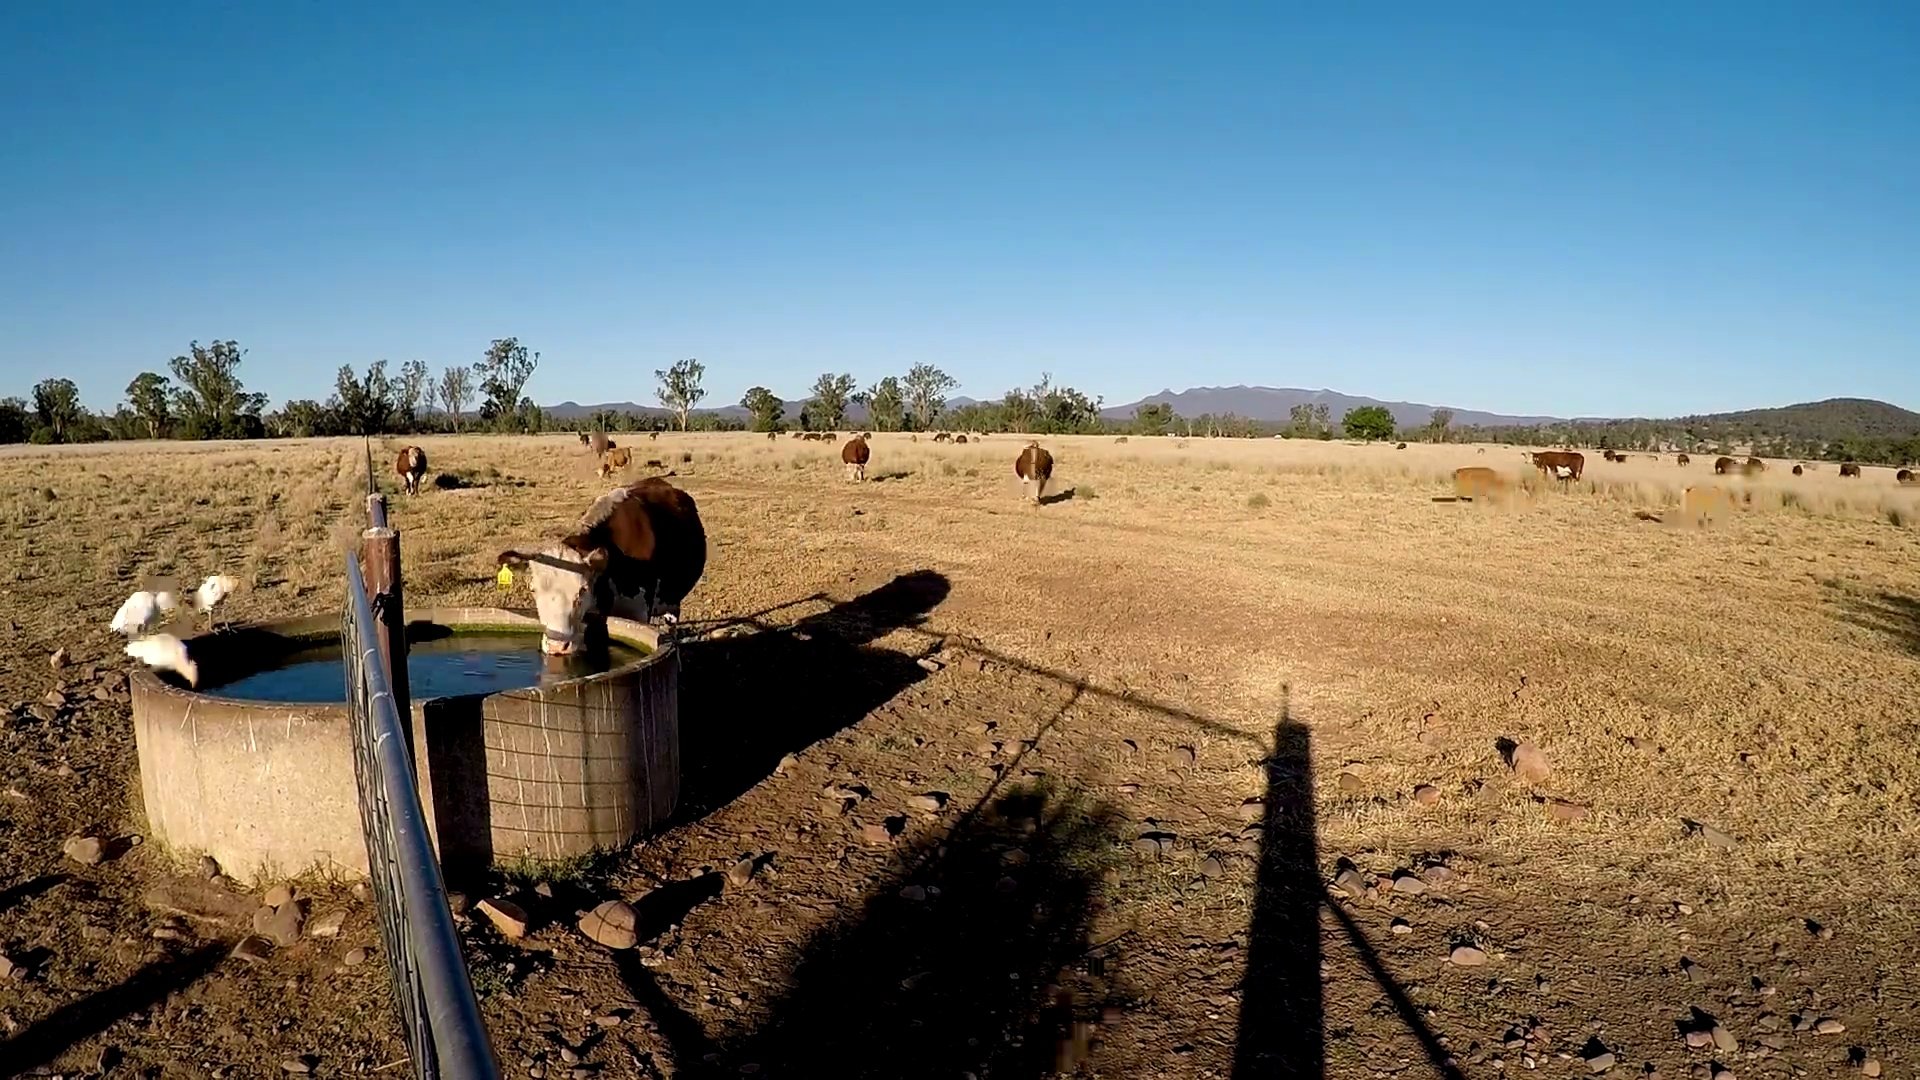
<point x="1566" y="209"/>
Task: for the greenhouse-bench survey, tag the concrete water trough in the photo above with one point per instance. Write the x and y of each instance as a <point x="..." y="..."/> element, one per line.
<point x="571" y="765"/>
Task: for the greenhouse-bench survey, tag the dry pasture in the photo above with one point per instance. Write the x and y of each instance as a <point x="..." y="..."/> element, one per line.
<point x="1218" y="737"/>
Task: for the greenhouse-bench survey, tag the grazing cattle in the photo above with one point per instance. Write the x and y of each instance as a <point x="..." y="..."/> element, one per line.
<point x="913" y="438"/>
<point x="410" y="466"/>
<point x="854" y="456"/>
<point x="653" y="434"/>
<point x="1797" y="470"/>
<point x="959" y="438"/>
<point x="615" y="460"/>
<point x="1755" y="465"/>
<point x="635" y="554"/>
<point x="1553" y="462"/>
<point x="1608" y="454"/>
<point x="583" y="438"/>
<point x="1481" y="450"/>
<point x="944" y="436"/>
<point x="1724" y="465"/>
<point x="1034" y="467"/>
<point x="1682" y="460"/>
<point x="1119" y="440"/>
<point x="1701" y="505"/>
<point x="1904" y="476"/>
<point x="599" y="443"/>
<point x="1477" y="482"/>
<point x="1809" y="466"/>
<point x="1402" y="446"/>
<point x="1850" y="469"/>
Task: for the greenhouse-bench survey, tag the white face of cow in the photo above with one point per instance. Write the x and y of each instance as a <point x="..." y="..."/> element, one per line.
<point x="561" y="580"/>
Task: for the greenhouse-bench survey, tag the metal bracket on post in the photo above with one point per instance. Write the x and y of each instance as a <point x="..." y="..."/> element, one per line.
<point x="380" y="565"/>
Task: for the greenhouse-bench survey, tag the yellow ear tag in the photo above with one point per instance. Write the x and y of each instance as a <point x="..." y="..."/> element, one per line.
<point x="505" y="578"/>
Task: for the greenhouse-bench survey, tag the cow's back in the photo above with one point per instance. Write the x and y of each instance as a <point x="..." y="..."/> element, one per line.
<point x="1034" y="463"/>
<point x="656" y="537"/>
<point x="855" y="451"/>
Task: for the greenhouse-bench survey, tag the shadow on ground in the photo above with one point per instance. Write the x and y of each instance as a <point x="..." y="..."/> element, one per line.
<point x="968" y="957"/>
<point x="1891" y="614"/>
<point x="746" y="701"/>
<point x="42" y="1042"/>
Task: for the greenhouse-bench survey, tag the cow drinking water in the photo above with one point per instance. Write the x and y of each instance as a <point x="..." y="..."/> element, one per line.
<point x="635" y="554"/>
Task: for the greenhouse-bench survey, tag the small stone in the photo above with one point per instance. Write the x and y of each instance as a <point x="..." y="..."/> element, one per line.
<point x="1210" y="867"/>
<point x="1715" y="838"/>
<point x="42" y="713"/>
<point x="457" y="904"/>
<point x="544" y="890"/>
<point x="1147" y="845"/>
<point x="1600" y="1063"/>
<point x="741" y="872"/>
<point x="1350" y="784"/>
<point x="1426" y="794"/>
<point x="1694" y="972"/>
<point x="1184" y="757"/>
<point x="1530" y="763"/>
<point x="54" y="700"/>
<point x="1699" y="1040"/>
<point x="279" y="896"/>
<point x="285" y="924"/>
<point x="931" y="802"/>
<point x="1408" y="884"/>
<point x="1870" y="1067"/>
<point x="915" y="893"/>
<point x="1723" y="1039"/>
<point x="355" y="957"/>
<point x="209" y="867"/>
<point x="328" y="925"/>
<point x="1467" y="956"/>
<point x="1253" y="809"/>
<point x="787" y="764"/>
<point x="299" y="1065"/>
<point x="253" y="949"/>
<point x="874" y="832"/>
<point x="1438" y="875"/>
<point x="1401" y="926"/>
<point x="1561" y="810"/>
<point x="169" y="933"/>
<point x="1350" y="882"/>
<point x="612" y="924"/>
<point x="85" y="850"/>
<point x="1828" y="1026"/>
<point x="609" y="1020"/>
<point x="59" y="658"/>
<point x="9" y="969"/>
<point x="506" y="916"/>
<point x="928" y="663"/>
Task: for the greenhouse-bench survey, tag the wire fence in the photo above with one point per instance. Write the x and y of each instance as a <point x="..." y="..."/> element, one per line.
<point x="439" y="1017"/>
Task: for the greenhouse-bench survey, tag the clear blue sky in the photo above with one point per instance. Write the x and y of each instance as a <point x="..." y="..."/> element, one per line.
<point x="1542" y="208"/>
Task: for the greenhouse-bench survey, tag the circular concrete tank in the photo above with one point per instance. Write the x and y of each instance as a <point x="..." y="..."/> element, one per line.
<point x="546" y="772"/>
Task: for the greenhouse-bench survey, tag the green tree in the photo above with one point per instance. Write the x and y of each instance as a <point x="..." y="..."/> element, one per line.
<point x="13" y="420"/>
<point x="56" y="404"/>
<point x="1438" y="423"/>
<point x="927" y="387"/>
<point x="766" y="407"/>
<point x="150" y="395"/>
<point x="411" y="391"/>
<point x="885" y="403"/>
<point x="365" y="404"/>
<point x="456" y="389"/>
<point x="828" y="407"/>
<point x="212" y="401"/>
<point x="1368" y="422"/>
<point x="503" y="373"/>
<point x="1152" y="418"/>
<point x="680" y="388"/>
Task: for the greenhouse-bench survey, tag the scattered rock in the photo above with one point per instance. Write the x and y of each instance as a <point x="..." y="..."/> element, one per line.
<point x="1210" y="867"/>
<point x="1601" y="1062"/>
<point x="1350" y="784"/>
<point x="1426" y="794"/>
<point x="931" y="802"/>
<point x="544" y="890"/>
<point x="787" y="764"/>
<point x="1561" y="810"/>
<point x="1401" y="926"/>
<point x="1184" y="756"/>
<point x="1714" y="837"/>
<point x="506" y="916"/>
<point x="1253" y="809"/>
<point x="1828" y="1026"/>
<point x="1698" y="1040"/>
<point x="1438" y="875"/>
<point x="1408" y="884"/>
<point x="1467" y="956"/>
<point x="1350" y="882"/>
<point x="741" y="872"/>
<point x="1870" y="1067"/>
<point x="285" y="924"/>
<point x="915" y="893"/>
<point x="300" y="1065"/>
<point x="875" y="832"/>
<point x="1723" y="1039"/>
<point x="209" y="867"/>
<point x="928" y="663"/>
<point x="54" y="700"/>
<point x="85" y="850"/>
<point x="611" y="924"/>
<point x="254" y="949"/>
<point x="9" y="969"/>
<point x="279" y="896"/>
<point x="1694" y="972"/>
<point x="1147" y="845"/>
<point x="1529" y="762"/>
<point x="59" y="658"/>
<point x="355" y="957"/>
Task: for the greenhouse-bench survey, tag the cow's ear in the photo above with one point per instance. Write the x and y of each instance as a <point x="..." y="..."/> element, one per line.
<point x="577" y="542"/>
<point x="597" y="559"/>
<point x="513" y="559"/>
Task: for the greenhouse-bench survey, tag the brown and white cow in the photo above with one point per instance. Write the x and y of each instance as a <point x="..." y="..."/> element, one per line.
<point x="635" y="554"/>
<point x="410" y="465"/>
<point x="1904" y="476"/>
<point x="614" y="460"/>
<point x="1034" y="467"/>
<point x="1559" y="464"/>
<point x="854" y="455"/>
<point x="1725" y="465"/>
<point x="1682" y="460"/>
<point x="1850" y="469"/>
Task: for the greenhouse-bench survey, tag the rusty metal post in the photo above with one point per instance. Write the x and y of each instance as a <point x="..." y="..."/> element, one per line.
<point x="380" y="565"/>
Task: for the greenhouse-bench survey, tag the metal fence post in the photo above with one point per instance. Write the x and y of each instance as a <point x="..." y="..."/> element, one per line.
<point x="380" y="565"/>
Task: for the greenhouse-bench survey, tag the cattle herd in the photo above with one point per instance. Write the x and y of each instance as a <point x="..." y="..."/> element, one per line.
<point x="1698" y="502"/>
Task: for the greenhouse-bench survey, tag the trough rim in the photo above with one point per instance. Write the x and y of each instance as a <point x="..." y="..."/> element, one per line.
<point x="627" y="631"/>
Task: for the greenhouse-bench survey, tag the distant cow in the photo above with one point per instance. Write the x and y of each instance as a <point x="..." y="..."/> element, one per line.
<point x="583" y="438"/>
<point x="1797" y="470"/>
<point x="1402" y="446"/>
<point x="410" y="466"/>
<point x="943" y="436"/>
<point x="1034" y="467"/>
<point x="1850" y="469"/>
<point x="599" y="443"/>
<point x="636" y="553"/>
<point x="1904" y="476"/>
<point x="854" y="456"/>
<point x="1724" y="465"/>
<point x="1121" y="439"/>
<point x="772" y="435"/>
<point x="959" y="438"/>
<point x="653" y="434"/>
<point x="1477" y="482"/>
<point x="614" y="460"/>
<point x="1755" y="465"/>
<point x="1551" y="462"/>
<point x="1682" y="460"/>
<point x="1611" y="456"/>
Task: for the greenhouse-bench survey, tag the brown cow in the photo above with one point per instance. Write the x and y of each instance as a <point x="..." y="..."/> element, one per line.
<point x="1477" y="482"/>
<point x="1797" y="470"/>
<point x="1608" y="454"/>
<point x="1034" y="467"/>
<point x="614" y="460"/>
<point x="959" y="438"/>
<point x="854" y="456"/>
<point x="1402" y="446"/>
<point x="1682" y="460"/>
<point x="653" y="435"/>
<point x="1120" y="440"/>
<point x="583" y="438"/>
<point x="1551" y="462"/>
<point x="772" y="435"/>
<point x="1904" y="476"/>
<point x="599" y="443"/>
<point x="410" y="466"/>
<point x="635" y="554"/>
<point x="943" y="436"/>
<point x="1850" y="469"/>
<point x="1724" y="465"/>
<point x="1755" y="465"/>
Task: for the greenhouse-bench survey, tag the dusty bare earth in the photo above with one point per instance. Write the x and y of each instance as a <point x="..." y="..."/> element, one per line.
<point x="1220" y="739"/>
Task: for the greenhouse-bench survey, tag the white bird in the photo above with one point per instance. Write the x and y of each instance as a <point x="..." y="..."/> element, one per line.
<point x="143" y="611"/>
<point x="166" y="652"/>
<point x="212" y="591"/>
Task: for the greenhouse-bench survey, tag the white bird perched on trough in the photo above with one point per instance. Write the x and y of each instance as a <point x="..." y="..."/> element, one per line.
<point x="166" y="652"/>
<point x="143" y="611"/>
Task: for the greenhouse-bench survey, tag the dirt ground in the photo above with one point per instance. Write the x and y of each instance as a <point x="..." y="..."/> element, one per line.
<point x="1219" y="736"/>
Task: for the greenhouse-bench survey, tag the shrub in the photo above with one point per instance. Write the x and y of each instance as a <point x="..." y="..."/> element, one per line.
<point x="1258" y="501"/>
<point x="1896" y="517"/>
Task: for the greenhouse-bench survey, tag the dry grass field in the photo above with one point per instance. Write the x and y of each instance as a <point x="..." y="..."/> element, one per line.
<point x="1220" y="730"/>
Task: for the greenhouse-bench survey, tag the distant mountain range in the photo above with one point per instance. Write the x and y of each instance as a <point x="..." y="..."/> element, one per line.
<point x="1831" y="418"/>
